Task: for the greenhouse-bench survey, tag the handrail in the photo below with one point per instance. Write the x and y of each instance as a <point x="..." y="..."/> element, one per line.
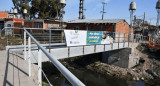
<point x="67" y="74"/>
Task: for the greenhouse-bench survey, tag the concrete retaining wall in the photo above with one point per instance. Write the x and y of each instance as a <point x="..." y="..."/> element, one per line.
<point x="117" y="57"/>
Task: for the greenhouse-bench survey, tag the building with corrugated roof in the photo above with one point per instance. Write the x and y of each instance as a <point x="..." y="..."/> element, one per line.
<point x="111" y="25"/>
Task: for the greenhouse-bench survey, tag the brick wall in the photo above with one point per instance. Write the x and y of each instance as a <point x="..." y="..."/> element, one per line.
<point x="92" y="27"/>
<point x="17" y="23"/>
<point x="32" y="24"/>
<point x="3" y="15"/>
<point x="123" y="27"/>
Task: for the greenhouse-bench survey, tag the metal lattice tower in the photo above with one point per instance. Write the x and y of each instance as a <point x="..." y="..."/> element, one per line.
<point x="81" y="10"/>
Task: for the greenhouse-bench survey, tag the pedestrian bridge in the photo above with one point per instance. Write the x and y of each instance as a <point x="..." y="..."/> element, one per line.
<point x="61" y="51"/>
<point x="37" y="53"/>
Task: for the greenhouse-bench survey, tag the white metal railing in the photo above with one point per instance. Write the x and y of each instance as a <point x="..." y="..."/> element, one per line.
<point x="67" y="74"/>
<point x="52" y="38"/>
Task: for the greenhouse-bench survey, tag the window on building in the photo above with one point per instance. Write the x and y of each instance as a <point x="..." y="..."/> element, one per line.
<point x="9" y="25"/>
<point x="37" y="25"/>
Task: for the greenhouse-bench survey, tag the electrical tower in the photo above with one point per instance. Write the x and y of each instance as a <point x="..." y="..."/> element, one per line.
<point x="103" y="12"/>
<point x="81" y="10"/>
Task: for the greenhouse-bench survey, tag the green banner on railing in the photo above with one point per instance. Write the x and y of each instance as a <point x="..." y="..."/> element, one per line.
<point x="94" y="37"/>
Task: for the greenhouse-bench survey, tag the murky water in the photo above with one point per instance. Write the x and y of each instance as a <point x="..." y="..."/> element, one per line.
<point x="91" y="78"/>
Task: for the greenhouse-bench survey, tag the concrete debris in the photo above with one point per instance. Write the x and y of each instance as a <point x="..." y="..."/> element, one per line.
<point x="145" y="63"/>
<point x="154" y="74"/>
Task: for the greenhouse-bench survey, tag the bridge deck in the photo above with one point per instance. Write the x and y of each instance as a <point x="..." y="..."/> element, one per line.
<point x="14" y="70"/>
<point x="61" y="51"/>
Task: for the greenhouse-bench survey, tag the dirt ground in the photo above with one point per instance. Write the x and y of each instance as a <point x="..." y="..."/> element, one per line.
<point x="11" y="41"/>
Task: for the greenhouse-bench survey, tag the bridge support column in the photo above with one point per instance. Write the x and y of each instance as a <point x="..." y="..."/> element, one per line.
<point x="29" y="56"/>
<point x="24" y="45"/>
<point x="123" y="58"/>
<point x="39" y="67"/>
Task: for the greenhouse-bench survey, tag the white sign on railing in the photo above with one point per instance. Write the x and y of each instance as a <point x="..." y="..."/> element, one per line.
<point x="75" y="37"/>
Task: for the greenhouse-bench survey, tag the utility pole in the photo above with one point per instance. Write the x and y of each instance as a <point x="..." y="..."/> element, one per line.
<point x="144" y="22"/>
<point x="81" y="10"/>
<point x="103" y="12"/>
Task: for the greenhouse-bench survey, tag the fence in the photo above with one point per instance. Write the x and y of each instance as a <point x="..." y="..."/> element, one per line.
<point x="14" y="36"/>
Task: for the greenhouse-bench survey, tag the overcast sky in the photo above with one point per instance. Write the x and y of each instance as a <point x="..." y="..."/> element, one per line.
<point x="116" y="9"/>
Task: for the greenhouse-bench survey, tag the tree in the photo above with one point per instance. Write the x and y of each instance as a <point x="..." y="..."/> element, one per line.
<point x="38" y="8"/>
<point x="44" y="8"/>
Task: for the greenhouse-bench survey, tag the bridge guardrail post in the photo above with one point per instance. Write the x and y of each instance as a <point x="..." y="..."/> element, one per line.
<point x="40" y="67"/>
<point x="6" y="33"/>
<point x="118" y="39"/>
<point x="24" y="45"/>
<point x="141" y="38"/>
<point x="83" y="49"/>
<point x="123" y="39"/>
<point x="128" y="38"/>
<point x="95" y="48"/>
<point x="68" y="51"/>
<point x="132" y="38"/>
<point x="29" y="56"/>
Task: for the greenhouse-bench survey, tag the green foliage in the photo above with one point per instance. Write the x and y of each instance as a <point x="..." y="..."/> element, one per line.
<point x="38" y="8"/>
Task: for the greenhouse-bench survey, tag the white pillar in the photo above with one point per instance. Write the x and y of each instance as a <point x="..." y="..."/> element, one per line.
<point x="29" y="56"/>
<point x="24" y="45"/>
<point x="39" y="67"/>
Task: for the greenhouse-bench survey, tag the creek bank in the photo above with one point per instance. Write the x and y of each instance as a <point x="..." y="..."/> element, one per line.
<point x="148" y="69"/>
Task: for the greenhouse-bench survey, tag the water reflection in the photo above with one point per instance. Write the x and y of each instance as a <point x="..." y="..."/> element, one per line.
<point x="91" y="78"/>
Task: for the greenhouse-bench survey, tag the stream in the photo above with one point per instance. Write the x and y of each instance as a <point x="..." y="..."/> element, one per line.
<point x="91" y="78"/>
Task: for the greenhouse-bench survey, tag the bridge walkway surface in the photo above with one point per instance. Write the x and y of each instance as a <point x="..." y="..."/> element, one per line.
<point x="14" y="70"/>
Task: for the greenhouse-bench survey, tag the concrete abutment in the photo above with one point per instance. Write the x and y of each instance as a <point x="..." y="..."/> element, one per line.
<point x="125" y="58"/>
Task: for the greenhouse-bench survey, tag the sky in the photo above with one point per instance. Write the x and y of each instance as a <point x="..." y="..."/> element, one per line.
<point x="115" y="9"/>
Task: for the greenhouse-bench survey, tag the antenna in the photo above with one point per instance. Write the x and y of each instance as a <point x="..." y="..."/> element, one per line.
<point x="103" y="12"/>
